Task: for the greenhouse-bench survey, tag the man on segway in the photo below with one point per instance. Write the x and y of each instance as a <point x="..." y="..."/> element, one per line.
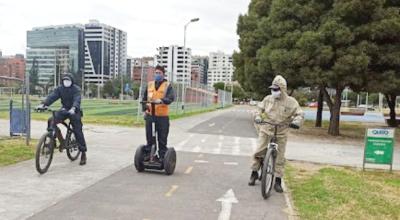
<point x="162" y="94"/>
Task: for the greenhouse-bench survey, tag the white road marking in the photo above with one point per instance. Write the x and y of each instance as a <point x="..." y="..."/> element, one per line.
<point x="236" y="147"/>
<point x="254" y="144"/>
<point x="196" y="149"/>
<point x="218" y="149"/>
<point x="182" y="143"/>
<point x="201" y="161"/>
<point x="226" y="203"/>
<point x="221" y="137"/>
<point x="211" y="125"/>
<point x="236" y="150"/>
<point x="231" y="163"/>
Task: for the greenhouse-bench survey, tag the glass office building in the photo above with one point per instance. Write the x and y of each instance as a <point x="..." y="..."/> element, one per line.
<point x="57" y="49"/>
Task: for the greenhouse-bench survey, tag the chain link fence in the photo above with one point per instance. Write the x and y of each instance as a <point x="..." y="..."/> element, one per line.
<point x="194" y="97"/>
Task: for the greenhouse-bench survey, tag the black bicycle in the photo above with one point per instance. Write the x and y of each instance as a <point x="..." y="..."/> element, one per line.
<point x="48" y="142"/>
<point x="267" y="176"/>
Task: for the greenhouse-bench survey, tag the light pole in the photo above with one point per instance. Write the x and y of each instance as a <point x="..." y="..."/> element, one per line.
<point x="184" y="51"/>
<point x="83" y="81"/>
<point x="122" y="87"/>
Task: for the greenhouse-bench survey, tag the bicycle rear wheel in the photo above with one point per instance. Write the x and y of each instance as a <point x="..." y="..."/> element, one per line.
<point x="72" y="147"/>
<point x="267" y="174"/>
<point x="44" y="153"/>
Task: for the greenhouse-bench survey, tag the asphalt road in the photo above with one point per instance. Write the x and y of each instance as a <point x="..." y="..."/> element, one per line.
<point x="216" y="163"/>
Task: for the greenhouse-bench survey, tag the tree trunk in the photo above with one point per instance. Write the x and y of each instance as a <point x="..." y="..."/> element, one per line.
<point x="391" y="100"/>
<point x="335" y="114"/>
<point x="318" y="121"/>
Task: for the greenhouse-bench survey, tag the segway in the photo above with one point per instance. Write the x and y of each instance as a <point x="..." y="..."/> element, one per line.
<point x="145" y="159"/>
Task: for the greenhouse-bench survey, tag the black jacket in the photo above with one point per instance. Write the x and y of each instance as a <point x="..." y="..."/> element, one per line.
<point x="70" y="97"/>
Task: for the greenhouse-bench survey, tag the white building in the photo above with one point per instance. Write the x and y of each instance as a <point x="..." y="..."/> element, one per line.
<point x="105" y="52"/>
<point x="220" y="68"/>
<point x="177" y="63"/>
<point x="199" y="69"/>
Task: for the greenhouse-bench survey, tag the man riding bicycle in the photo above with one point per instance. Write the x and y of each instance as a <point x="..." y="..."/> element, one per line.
<point x="70" y="95"/>
<point x="277" y="108"/>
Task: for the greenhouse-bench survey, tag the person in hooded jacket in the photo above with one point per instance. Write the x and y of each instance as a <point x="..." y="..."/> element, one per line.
<point x="277" y="108"/>
<point x="159" y="91"/>
<point x="70" y="95"/>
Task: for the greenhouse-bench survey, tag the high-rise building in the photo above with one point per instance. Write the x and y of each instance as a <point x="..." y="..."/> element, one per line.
<point x="129" y="66"/>
<point x="199" y="69"/>
<point x="52" y="62"/>
<point x="220" y="68"/>
<point x="57" y="49"/>
<point x="177" y="63"/>
<point x="105" y="52"/>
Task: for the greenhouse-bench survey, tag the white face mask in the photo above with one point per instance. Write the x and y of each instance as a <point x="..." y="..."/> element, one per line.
<point x="67" y="83"/>
<point x="276" y="94"/>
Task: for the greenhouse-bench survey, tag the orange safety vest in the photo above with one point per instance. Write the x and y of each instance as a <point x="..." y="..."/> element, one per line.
<point x="153" y="94"/>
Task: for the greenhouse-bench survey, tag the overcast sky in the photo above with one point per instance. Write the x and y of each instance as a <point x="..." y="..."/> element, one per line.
<point x="149" y="23"/>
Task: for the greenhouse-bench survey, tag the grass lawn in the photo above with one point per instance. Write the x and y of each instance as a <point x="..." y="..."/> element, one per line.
<point x="14" y="150"/>
<point x="326" y="192"/>
<point x="109" y="112"/>
<point x="348" y="130"/>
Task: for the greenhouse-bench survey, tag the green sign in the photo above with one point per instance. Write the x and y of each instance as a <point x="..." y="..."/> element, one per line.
<point x="379" y="143"/>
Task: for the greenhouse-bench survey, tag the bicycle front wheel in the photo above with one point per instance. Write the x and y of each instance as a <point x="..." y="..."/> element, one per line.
<point x="267" y="174"/>
<point x="44" y="153"/>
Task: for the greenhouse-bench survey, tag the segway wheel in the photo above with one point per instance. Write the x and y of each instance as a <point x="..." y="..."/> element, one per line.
<point x="170" y="161"/>
<point x="139" y="157"/>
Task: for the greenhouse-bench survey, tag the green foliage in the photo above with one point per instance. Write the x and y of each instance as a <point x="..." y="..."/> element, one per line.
<point x="320" y="43"/>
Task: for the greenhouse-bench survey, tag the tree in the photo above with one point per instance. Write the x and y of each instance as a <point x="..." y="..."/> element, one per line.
<point x="33" y="77"/>
<point x="219" y="86"/>
<point x="319" y="43"/>
<point x="108" y="88"/>
<point x="384" y="68"/>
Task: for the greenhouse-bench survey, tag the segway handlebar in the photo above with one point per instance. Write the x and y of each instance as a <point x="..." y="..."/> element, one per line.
<point x="150" y="102"/>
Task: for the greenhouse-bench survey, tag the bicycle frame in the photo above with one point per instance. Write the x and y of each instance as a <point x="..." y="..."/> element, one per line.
<point x="53" y="128"/>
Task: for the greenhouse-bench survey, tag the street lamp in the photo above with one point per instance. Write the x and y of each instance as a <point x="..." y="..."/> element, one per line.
<point x="184" y="50"/>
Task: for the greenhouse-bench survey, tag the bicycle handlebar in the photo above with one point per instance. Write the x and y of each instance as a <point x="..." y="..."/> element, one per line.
<point x="290" y="125"/>
<point x="265" y="122"/>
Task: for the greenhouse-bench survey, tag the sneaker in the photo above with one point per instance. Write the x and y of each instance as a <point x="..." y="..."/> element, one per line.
<point x="278" y="185"/>
<point x="253" y="178"/>
<point x="83" y="159"/>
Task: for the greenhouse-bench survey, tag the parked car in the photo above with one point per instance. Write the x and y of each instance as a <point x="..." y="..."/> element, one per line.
<point x="313" y="104"/>
<point x="370" y="107"/>
<point x="253" y="103"/>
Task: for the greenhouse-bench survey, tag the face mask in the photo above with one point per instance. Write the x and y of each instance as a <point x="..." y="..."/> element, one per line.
<point x="67" y="83"/>
<point x="276" y="94"/>
<point x="158" y="77"/>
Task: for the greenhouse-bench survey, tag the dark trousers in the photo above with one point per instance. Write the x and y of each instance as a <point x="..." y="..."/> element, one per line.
<point x="76" y="121"/>
<point x="162" y="128"/>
